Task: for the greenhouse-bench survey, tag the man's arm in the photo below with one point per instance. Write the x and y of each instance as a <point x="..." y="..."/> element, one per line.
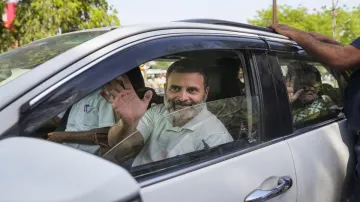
<point x="120" y="131"/>
<point x="127" y="149"/>
<point x="86" y="137"/>
<point x="324" y="38"/>
<point x="332" y="55"/>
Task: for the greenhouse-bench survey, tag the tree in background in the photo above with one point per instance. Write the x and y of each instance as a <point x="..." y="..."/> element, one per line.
<point x="6" y="38"/>
<point x="348" y="20"/>
<point x="36" y="19"/>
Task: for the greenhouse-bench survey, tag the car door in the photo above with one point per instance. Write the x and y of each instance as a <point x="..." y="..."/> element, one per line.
<point x="321" y="145"/>
<point x="257" y="168"/>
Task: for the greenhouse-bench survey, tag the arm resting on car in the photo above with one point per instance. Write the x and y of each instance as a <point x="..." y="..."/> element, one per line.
<point x="337" y="56"/>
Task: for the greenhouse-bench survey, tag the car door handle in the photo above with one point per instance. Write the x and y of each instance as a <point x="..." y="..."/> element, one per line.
<point x="260" y="195"/>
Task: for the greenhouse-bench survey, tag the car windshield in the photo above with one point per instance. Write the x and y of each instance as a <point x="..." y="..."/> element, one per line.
<point x="21" y="60"/>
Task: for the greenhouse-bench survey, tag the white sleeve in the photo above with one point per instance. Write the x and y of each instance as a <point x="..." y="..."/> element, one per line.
<point x="217" y="136"/>
<point x="146" y="125"/>
<point x="106" y="114"/>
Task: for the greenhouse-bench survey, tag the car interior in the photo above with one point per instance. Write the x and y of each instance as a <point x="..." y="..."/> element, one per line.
<point x="227" y="100"/>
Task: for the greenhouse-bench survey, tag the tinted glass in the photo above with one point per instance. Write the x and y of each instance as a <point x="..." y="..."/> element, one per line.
<point x="314" y="93"/>
<point x="21" y="60"/>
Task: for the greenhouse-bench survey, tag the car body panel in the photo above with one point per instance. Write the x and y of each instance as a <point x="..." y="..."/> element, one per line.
<point x="230" y="180"/>
<point x="39" y="170"/>
<point x="324" y="162"/>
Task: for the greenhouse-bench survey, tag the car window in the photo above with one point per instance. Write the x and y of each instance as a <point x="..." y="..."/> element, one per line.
<point x="314" y="92"/>
<point x="81" y="103"/>
<point x="173" y="132"/>
<point x="154" y="73"/>
<point x="223" y="121"/>
<point x="21" y="60"/>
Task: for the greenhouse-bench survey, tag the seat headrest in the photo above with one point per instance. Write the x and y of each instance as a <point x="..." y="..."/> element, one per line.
<point x="223" y="82"/>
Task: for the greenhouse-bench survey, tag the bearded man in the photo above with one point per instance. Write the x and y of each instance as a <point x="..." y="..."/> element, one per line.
<point x="179" y="126"/>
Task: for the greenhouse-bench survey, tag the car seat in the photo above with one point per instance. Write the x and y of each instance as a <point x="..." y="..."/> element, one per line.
<point x="226" y="99"/>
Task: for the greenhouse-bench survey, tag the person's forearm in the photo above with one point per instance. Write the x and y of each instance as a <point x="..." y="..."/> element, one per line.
<point x="120" y="131"/>
<point x="331" y="41"/>
<point x="324" y="38"/>
<point x="335" y="56"/>
<point x="86" y="137"/>
<point x="329" y="54"/>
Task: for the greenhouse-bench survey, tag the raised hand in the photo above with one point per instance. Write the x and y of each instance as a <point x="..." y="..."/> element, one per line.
<point x="290" y="88"/>
<point x="125" y="101"/>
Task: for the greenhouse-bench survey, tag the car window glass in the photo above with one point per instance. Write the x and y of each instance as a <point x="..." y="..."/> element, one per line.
<point x="21" y="60"/>
<point x="314" y="93"/>
<point x="214" y="124"/>
<point x="171" y="132"/>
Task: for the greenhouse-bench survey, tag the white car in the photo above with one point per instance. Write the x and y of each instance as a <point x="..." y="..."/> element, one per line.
<point x="281" y="151"/>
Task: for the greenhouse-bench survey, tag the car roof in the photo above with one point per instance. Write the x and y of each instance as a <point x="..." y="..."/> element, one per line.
<point x="26" y="82"/>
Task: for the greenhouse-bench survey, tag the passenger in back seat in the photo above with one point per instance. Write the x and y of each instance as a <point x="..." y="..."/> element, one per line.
<point x="303" y="84"/>
<point x="179" y="126"/>
<point x="87" y="123"/>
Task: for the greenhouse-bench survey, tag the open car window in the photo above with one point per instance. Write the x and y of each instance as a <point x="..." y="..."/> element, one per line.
<point x="212" y="125"/>
<point x="225" y="121"/>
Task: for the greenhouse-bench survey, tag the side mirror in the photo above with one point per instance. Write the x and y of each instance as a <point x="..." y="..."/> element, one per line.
<point x="38" y="170"/>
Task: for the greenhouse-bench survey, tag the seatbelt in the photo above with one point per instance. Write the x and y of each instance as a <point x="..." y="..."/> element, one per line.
<point x="64" y="119"/>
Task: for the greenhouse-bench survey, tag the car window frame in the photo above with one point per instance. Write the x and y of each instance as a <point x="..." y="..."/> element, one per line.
<point x="231" y="46"/>
<point x="275" y="126"/>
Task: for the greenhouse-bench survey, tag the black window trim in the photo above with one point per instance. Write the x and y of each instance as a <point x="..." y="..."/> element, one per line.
<point x="271" y="119"/>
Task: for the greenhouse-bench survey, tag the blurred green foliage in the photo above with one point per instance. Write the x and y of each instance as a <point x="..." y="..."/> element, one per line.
<point x="348" y="20"/>
<point x="36" y="19"/>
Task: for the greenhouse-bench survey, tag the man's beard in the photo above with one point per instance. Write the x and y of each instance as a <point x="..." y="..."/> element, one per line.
<point x="182" y="112"/>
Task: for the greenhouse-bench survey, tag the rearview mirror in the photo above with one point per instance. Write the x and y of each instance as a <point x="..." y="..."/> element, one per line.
<point x="38" y="170"/>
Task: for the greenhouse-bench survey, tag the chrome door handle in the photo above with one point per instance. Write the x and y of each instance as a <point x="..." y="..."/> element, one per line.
<point x="259" y="195"/>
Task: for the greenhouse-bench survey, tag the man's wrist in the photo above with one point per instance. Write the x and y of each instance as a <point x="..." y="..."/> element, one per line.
<point x="57" y="137"/>
<point x="63" y="137"/>
<point x="130" y="124"/>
